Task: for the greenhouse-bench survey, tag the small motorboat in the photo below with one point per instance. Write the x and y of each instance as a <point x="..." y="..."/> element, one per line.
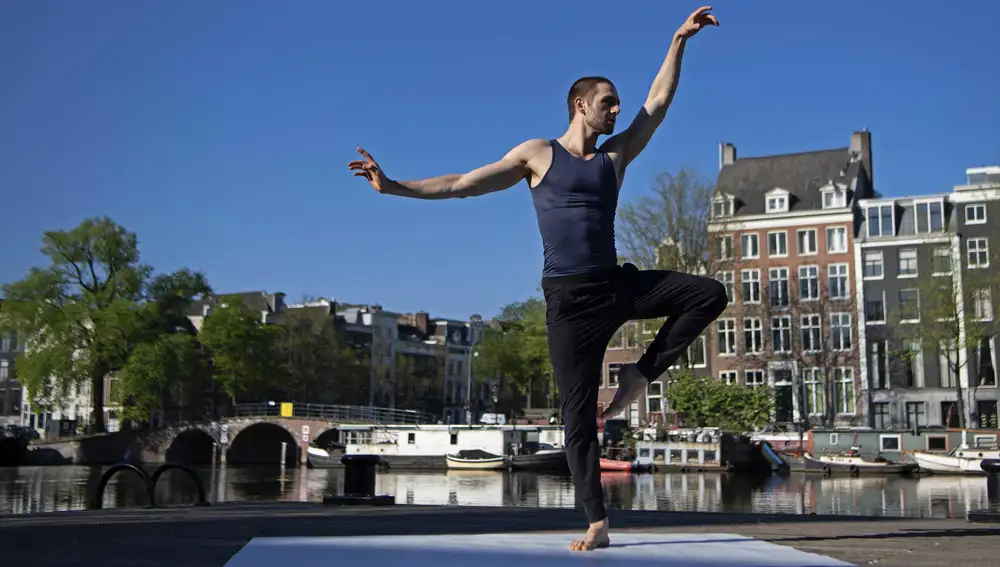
<point x="961" y="460"/>
<point x="547" y="458"/>
<point x="476" y="460"/>
<point x="321" y="458"/>
<point x="851" y="462"/>
<point x="616" y="465"/>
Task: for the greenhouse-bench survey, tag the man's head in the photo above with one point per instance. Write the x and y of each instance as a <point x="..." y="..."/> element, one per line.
<point x="594" y="100"/>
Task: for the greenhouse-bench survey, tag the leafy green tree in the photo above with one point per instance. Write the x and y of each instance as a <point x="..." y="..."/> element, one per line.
<point x="319" y="363"/>
<point x="244" y="349"/>
<point x="709" y="402"/>
<point x="515" y="350"/>
<point x="168" y="370"/>
<point x="78" y="316"/>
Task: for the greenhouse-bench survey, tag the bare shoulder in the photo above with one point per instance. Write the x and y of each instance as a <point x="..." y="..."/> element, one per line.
<point x="528" y="150"/>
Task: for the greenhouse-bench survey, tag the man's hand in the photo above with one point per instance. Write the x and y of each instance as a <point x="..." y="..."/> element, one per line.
<point x="370" y="170"/>
<point x="696" y="21"/>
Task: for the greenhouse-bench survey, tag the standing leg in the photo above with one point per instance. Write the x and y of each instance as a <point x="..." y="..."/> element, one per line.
<point x="690" y="304"/>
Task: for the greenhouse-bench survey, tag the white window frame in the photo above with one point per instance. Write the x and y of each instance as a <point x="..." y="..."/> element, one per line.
<point x="899" y="262"/>
<point x="897" y="437"/>
<point x="781" y="242"/>
<point x="868" y="319"/>
<point x="843" y="375"/>
<point x="878" y="220"/>
<point x="781" y="328"/>
<point x="813" y="240"/>
<point x="983" y="252"/>
<point x="937" y="252"/>
<point x="916" y="215"/>
<point x="819" y="282"/>
<point x="730" y="331"/>
<point x="728" y="279"/>
<point x="815" y="392"/>
<point x="971" y="216"/>
<point x="833" y="230"/>
<point x="982" y="304"/>
<point x="880" y="263"/>
<point x="728" y="201"/>
<point x="753" y="329"/>
<point x="834" y="198"/>
<point x="730" y="376"/>
<point x="843" y="273"/>
<point x="756" y="383"/>
<point x="774" y="275"/>
<point x="777" y="201"/>
<point x="917" y="292"/>
<point x="725" y="247"/>
<point x="750" y="276"/>
<point x="747" y="237"/>
<point x="838" y="322"/>
<point x="811" y="322"/>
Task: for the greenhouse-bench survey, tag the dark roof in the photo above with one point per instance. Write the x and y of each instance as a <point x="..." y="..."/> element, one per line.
<point x="801" y="174"/>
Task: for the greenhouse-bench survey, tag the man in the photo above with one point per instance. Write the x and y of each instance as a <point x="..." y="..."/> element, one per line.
<point x="574" y="185"/>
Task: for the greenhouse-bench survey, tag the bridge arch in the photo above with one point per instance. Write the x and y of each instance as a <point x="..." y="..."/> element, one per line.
<point x="260" y="443"/>
<point x="194" y="446"/>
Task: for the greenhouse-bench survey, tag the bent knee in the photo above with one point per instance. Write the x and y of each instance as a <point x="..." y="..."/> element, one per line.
<point x="716" y="296"/>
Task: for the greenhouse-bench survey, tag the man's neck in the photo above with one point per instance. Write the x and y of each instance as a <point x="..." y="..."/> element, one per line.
<point x="580" y="139"/>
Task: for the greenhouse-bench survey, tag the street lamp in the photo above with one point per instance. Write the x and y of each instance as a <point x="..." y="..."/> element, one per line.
<point x="468" y="384"/>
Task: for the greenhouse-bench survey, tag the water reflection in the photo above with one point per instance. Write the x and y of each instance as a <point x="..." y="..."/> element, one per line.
<point x="43" y="489"/>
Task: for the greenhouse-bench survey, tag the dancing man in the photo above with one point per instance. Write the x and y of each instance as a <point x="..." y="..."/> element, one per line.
<point x="575" y="185"/>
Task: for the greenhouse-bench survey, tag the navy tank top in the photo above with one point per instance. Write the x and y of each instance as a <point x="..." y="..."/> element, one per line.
<point x="575" y="203"/>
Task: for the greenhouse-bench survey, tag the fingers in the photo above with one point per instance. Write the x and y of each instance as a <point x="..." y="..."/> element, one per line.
<point x="701" y="10"/>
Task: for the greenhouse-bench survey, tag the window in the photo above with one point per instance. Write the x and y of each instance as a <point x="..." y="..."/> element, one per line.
<point x="949" y="414"/>
<point x="907" y="263"/>
<point x="777" y="204"/>
<point x="748" y="246"/>
<point x="696" y="353"/>
<point x="916" y="416"/>
<point x="411" y="439"/>
<point x="875" y="308"/>
<point x="909" y="305"/>
<point x="754" y="378"/>
<point x="978" y="253"/>
<point x="941" y="261"/>
<point x="873" y="265"/>
<point x="986" y="350"/>
<point x="725" y="247"/>
<point x="778" y="286"/>
<point x="843" y="378"/>
<point x="614" y="369"/>
<point x="889" y="442"/>
<point x="948" y="364"/>
<point x="654" y="397"/>
<point x="726" y="330"/>
<point x="751" y="286"/>
<point x="729" y="376"/>
<point x="4" y="373"/>
<point x="880" y="412"/>
<point x="878" y="365"/>
<point x="781" y="334"/>
<point x="812" y="333"/>
<point x="728" y="279"/>
<point x="808" y="283"/>
<point x="454" y="439"/>
<point x="834" y="198"/>
<point x="815" y="400"/>
<point x="982" y="304"/>
<point x="975" y="214"/>
<point x="837" y="279"/>
<point x="777" y="243"/>
<point x="929" y="217"/>
<point x="913" y="359"/>
<point x="880" y="220"/>
<point x="840" y="331"/>
<point x="836" y="240"/>
<point x="722" y="206"/>
<point x="937" y="442"/>
<point x="807" y="241"/>
<point x="752" y="335"/>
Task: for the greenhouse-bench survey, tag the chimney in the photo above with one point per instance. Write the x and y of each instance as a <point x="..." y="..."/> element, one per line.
<point x="727" y="154"/>
<point x="422" y="321"/>
<point x="861" y="144"/>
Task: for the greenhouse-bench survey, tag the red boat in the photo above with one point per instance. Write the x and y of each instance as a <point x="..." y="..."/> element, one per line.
<point x="613" y="465"/>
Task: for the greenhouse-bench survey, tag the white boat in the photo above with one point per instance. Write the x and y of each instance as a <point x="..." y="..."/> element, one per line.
<point x="476" y="460"/>
<point x="961" y="460"/>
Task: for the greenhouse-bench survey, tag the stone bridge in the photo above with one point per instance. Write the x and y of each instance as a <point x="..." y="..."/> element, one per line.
<point x="250" y="439"/>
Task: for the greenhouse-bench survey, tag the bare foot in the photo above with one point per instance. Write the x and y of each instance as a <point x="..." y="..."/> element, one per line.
<point x="631" y="385"/>
<point x="596" y="538"/>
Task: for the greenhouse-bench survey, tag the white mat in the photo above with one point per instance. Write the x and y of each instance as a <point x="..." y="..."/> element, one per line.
<point x="525" y="550"/>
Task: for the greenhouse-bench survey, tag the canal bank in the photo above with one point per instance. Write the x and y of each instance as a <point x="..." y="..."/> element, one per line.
<point x="209" y="537"/>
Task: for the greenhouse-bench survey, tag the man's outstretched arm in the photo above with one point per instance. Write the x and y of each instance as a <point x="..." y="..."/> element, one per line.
<point x="633" y="139"/>
<point x="497" y="176"/>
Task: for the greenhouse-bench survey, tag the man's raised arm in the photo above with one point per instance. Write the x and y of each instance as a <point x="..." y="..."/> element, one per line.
<point x="497" y="176"/>
<point x="633" y="139"/>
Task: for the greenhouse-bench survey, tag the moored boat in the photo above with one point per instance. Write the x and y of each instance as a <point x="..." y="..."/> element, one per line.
<point x="961" y="460"/>
<point x="615" y="465"/>
<point x="548" y="458"/>
<point x="318" y="458"/>
<point x="853" y="463"/>
<point x="476" y="459"/>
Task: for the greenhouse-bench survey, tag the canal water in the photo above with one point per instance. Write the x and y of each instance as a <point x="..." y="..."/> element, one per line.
<point x="43" y="489"/>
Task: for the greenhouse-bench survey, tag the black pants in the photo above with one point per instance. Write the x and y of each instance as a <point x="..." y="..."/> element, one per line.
<point x="582" y="315"/>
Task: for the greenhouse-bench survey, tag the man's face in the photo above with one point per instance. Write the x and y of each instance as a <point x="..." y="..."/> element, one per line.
<point x="602" y="110"/>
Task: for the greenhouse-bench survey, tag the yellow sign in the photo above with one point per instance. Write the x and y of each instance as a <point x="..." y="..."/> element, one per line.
<point x="286" y="409"/>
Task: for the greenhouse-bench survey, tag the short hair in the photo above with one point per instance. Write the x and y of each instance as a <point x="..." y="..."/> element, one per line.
<point x="583" y="87"/>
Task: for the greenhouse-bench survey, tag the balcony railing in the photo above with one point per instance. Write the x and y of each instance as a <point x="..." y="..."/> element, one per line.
<point x="330" y="412"/>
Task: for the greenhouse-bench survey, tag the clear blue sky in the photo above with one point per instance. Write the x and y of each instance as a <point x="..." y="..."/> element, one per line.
<point x="220" y="131"/>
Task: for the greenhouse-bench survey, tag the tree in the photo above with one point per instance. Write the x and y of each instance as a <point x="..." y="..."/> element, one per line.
<point x="709" y="402"/>
<point x="167" y="370"/>
<point x="320" y="364"/>
<point x="78" y="316"/>
<point x="946" y="320"/>
<point x="812" y="330"/>
<point x="244" y="349"/>
<point x="515" y="351"/>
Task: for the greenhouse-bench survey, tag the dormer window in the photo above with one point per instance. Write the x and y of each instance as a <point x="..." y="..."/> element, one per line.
<point x="722" y="206"/>
<point x="834" y="198"/>
<point x="929" y="216"/>
<point x="777" y="201"/>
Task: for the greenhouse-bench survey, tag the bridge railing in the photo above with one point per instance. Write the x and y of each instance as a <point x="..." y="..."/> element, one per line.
<point x="331" y="412"/>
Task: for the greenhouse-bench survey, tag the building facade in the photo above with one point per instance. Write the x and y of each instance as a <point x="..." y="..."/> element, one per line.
<point x="930" y="279"/>
<point x="782" y="230"/>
